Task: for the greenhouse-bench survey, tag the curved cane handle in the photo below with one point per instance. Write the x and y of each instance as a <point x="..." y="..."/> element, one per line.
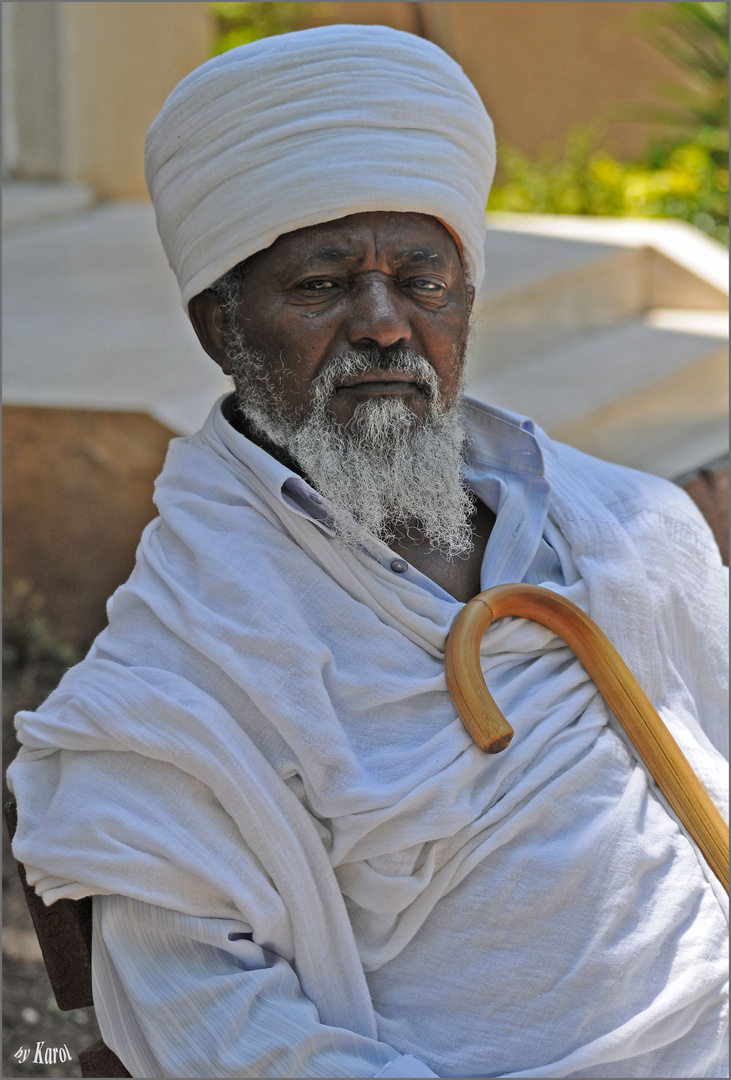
<point x="622" y="693"/>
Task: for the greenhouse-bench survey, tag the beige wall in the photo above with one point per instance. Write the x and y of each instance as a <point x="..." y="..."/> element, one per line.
<point x="121" y="61"/>
<point x="400" y="16"/>
<point x="574" y="63"/>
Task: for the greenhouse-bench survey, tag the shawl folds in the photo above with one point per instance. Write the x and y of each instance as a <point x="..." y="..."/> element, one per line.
<point x="159" y="768"/>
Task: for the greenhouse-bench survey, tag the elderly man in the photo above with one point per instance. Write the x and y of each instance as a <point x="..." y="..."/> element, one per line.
<point x="301" y="864"/>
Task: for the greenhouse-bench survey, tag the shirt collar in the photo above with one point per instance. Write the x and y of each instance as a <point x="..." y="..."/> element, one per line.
<point x="502" y="444"/>
<point x="501" y="440"/>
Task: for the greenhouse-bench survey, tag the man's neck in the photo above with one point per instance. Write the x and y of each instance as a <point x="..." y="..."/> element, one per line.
<point x="458" y="576"/>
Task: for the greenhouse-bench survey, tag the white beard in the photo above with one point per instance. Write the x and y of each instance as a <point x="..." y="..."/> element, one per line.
<point x="388" y="471"/>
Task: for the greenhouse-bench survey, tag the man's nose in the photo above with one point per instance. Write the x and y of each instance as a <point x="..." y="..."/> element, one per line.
<point x="378" y="314"/>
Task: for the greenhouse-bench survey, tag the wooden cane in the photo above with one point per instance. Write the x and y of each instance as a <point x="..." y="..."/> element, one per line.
<point x="663" y="757"/>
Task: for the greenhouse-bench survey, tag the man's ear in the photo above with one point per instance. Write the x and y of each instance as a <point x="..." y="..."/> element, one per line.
<point x="207" y="319"/>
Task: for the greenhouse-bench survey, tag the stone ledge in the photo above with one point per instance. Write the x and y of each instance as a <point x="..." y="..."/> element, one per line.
<point x="25" y="203"/>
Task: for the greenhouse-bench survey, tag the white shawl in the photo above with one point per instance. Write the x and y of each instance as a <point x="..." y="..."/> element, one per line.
<point x="173" y="763"/>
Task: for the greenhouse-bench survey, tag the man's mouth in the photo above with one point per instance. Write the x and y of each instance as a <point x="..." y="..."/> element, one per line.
<point x="378" y="381"/>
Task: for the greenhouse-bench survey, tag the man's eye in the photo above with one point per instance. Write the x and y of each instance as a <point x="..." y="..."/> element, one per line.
<point x="319" y="285"/>
<point x="426" y="285"/>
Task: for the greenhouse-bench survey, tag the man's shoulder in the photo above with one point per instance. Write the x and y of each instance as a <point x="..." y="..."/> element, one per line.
<point x="629" y="495"/>
<point x="646" y="506"/>
<point x="214" y="467"/>
<point x="616" y="485"/>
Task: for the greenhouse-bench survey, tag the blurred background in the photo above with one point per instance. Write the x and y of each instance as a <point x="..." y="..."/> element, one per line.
<point x="603" y="314"/>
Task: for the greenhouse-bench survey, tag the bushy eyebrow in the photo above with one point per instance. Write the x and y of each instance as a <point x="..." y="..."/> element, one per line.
<point x="328" y="254"/>
<point x="421" y="256"/>
<point x="417" y="256"/>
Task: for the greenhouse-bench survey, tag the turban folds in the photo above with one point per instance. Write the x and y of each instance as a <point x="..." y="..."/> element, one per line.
<point x="307" y="127"/>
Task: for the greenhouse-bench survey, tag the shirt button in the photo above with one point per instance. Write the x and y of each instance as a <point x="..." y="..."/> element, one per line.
<point x="399" y="566"/>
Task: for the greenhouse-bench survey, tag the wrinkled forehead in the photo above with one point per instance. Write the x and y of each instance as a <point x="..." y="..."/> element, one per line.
<point x="398" y="238"/>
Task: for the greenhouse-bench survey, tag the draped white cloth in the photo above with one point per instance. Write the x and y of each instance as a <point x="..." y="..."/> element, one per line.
<point x="312" y="126"/>
<point x="239" y="760"/>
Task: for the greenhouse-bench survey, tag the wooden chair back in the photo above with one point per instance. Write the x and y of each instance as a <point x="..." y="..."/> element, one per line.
<point x="64" y="935"/>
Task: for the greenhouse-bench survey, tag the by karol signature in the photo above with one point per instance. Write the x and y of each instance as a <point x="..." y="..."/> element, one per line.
<point x="43" y="1055"/>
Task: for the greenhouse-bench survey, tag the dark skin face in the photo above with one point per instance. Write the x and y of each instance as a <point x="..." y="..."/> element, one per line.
<point x="387" y="279"/>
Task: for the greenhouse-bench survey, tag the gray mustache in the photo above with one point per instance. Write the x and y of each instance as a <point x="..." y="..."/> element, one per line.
<point x="358" y="361"/>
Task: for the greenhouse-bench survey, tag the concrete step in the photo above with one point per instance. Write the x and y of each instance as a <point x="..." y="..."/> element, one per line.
<point x="677" y="241"/>
<point x="649" y="392"/>
<point x="551" y="277"/>
<point x="30" y="202"/>
<point x="93" y="320"/>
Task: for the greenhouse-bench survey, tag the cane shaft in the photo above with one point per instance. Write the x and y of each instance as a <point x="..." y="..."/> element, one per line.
<point x="622" y="693"/>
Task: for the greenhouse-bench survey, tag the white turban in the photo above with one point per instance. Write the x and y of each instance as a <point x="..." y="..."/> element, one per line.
<point x="307" y="127"/>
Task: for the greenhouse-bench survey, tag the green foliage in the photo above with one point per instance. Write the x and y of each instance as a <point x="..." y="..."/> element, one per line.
<point x="238" y="24"/>
<point x="695" y="37"/>
<point x="685" y="182"/>
<point x="684" y="170"/>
